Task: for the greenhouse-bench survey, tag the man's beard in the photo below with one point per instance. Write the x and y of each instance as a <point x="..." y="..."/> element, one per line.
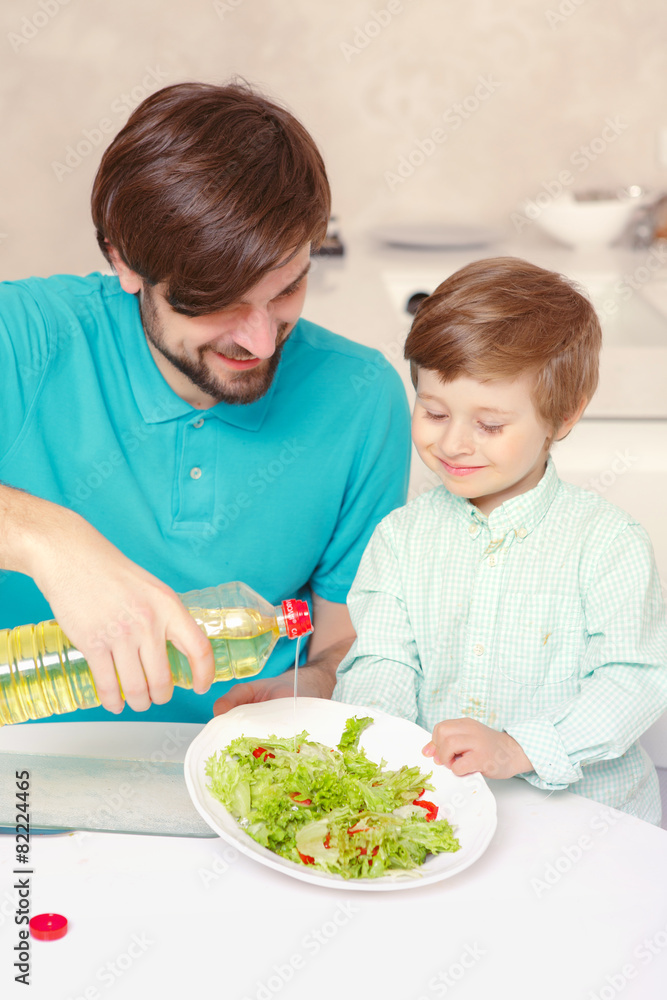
<point x="238" y="388"/>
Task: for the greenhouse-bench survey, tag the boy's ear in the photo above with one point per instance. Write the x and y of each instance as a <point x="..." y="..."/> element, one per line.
<point x="129" y="279"/>
<point x="569" y="422"/>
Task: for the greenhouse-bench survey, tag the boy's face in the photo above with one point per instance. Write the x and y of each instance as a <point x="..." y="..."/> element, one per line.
<point x="485" y="440"/>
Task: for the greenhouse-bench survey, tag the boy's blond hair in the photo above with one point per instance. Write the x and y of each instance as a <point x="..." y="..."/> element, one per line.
<point x="503" y="317"/>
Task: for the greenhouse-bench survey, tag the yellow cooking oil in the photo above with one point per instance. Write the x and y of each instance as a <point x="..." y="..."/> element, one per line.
<point x="42" y="673"/>
<point x="242" y="639"/>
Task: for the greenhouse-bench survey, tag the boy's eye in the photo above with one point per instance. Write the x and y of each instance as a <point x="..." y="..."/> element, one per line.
<point x="491" y="428"/>
<point x="435" y="416"/>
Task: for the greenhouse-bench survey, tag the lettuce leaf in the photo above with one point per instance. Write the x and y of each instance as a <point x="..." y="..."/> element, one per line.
<point x="330" y="807"/>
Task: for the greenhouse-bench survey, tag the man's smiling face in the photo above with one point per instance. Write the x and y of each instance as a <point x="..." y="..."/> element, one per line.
<point x="228" y="356"/>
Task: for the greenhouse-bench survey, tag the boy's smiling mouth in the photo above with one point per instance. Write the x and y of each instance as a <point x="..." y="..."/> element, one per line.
<point x="460" y="470"/>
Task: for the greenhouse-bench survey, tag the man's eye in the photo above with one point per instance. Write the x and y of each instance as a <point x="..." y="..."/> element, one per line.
<point x="491" y="428"/>
<point x="290" y="291"/>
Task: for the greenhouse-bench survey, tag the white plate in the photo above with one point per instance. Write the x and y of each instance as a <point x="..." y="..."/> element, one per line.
<point x="466" y="802"/>
<point x="436" y="236"/>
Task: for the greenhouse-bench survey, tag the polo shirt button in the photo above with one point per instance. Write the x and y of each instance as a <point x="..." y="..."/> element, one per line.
<point x="522" y="532"/>
<point x="195" y="473"/>
<point x="478" y="649"/>
<point x="199" y="423"/>
<point x="472" y="529"/>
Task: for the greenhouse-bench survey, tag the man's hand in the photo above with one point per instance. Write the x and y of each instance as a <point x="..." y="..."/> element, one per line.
<point x="466" y="746"/>
<point x="333" y="635"/>
<point x="118" y="615"/>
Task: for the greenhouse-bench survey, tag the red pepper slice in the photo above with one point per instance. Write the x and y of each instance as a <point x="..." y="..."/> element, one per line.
<point x="306" y="858"/>
<point x="327" y="839"/>
<point x="302" y="802"/>
<point x="430" y="807"/>
<point x="260" y="750"/>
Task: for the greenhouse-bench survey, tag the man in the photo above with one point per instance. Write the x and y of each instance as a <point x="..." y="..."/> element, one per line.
<point x="177" y="425"/>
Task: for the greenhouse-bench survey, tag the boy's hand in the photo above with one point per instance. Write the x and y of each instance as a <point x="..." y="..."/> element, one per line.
<point x="466" y="746"/>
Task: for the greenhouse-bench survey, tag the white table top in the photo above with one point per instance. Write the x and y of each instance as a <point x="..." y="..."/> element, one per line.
<point x="569" y="901"/>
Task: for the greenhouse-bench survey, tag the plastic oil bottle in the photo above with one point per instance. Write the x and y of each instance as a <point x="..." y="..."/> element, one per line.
<point x="42" y="673"/>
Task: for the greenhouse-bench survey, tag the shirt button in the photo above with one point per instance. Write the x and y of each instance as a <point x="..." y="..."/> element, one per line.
<point x="478" y="649"/>
<point x="199" y="423"/>
<point x="472" y="529"/>
<point x="195" y="473"/>
<point x="492" y="560"/>
<point x="522" y="533"/>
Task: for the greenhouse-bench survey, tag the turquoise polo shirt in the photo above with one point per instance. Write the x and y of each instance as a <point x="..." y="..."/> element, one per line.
<point x="282" y="493"/>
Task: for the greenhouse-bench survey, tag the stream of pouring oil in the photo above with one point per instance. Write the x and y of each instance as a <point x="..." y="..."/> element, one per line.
<point x="296" y="678"/>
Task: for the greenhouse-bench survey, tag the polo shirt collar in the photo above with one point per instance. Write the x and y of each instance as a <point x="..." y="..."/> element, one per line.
<point x="157" y="401"/>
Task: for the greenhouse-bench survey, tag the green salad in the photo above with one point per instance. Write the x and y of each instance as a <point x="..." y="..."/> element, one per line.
<point x="331" y="808"/>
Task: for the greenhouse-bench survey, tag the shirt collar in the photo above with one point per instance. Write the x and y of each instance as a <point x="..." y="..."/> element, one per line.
<point x="157" y="401"/>
<point x="520" y="514"/>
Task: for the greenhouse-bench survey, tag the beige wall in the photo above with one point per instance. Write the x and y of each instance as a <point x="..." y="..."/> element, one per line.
<point x="536" y="81"/>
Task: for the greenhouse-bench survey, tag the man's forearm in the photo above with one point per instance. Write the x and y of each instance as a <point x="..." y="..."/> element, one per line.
<point x="26" y="522"/>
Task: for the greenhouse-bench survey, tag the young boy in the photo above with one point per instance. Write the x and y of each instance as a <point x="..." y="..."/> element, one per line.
<point x="516" y="616"/>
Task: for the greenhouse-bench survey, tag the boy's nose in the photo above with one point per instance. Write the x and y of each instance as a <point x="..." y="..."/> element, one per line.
<point x="456" y="440"/>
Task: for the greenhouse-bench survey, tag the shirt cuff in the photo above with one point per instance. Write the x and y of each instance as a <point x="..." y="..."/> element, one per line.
<point x="544" y="748"/>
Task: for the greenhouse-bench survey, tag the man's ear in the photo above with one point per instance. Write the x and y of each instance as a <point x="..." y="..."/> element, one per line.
<point x="569" y="422"/>
<point x="129" y="279"/>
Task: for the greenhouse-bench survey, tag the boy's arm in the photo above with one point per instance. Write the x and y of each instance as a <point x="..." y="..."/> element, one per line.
<point x="624" y="674"/>
<point x="382" y="669"/>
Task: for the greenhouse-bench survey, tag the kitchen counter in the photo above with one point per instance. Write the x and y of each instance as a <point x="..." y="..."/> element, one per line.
<point x="568" y="901"/>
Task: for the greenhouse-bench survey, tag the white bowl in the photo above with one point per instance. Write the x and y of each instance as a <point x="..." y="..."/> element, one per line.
<point x="585" y="223"/>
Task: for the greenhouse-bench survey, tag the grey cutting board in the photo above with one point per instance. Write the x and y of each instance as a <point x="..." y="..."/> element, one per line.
<point x="109" y="776"/>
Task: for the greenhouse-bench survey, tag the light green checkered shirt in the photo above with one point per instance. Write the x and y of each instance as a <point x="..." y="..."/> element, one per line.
<point x="545" y="620"/>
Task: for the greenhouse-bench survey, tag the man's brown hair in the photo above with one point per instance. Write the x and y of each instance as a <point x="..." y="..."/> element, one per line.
<point x="503" y="317"/>
<point x="207" y="188"/>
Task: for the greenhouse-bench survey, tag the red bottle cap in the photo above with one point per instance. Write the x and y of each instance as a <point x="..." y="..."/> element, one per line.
<point x="48" y="926"/>
<point x="297" y="618"/>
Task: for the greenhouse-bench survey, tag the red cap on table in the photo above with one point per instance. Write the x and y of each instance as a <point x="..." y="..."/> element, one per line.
<point x="48" y="926"/>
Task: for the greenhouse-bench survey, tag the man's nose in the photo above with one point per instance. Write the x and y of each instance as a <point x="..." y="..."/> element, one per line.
<point x="256" y="332"/>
